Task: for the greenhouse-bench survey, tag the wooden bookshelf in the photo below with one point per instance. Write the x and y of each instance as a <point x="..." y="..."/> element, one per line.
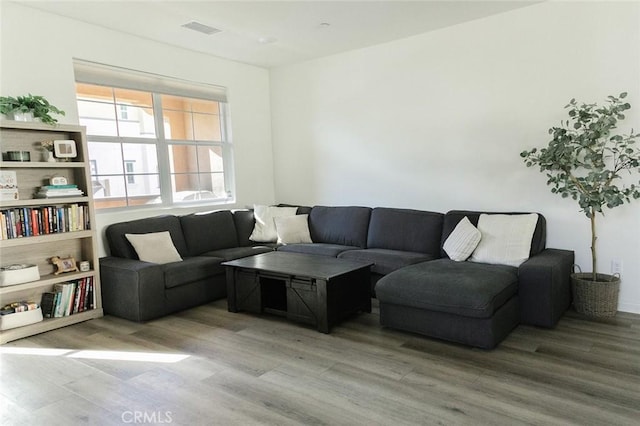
<point x="38" y="249"/>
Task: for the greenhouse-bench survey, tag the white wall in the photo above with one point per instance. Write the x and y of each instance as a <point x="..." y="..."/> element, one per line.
<point x="36" y="54"/>
<point x="437" y="121"/>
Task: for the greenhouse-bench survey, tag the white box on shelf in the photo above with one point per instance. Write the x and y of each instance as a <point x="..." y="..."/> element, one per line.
<point x="18" y="274"/>
<point x="20" y="319"/>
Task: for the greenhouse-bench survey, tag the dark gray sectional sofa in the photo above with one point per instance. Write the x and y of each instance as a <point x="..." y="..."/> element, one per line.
<point x="419" y="289"/>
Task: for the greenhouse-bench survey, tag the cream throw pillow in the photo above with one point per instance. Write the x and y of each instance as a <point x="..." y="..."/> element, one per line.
<point x="155" y="247"/>
<point x="293" y="229"/>
<point x="462" y="241"/>
<point x="506" y="239"/>
<point x="264" y="230"/>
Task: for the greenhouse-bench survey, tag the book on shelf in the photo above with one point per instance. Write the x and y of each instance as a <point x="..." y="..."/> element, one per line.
<point x="48" y="303"/>
<point x="52" y="191"/>
<point x="71" y="297"/>
<point x="32" y="221"/>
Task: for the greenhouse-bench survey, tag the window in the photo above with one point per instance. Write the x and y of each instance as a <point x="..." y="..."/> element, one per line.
<point x="153" y="146"/>
<point x="128" y="169"/>
<point x="124" y="112"/>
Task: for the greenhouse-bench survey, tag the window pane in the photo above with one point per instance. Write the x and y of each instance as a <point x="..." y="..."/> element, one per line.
<point x="178" y="125"/>
<point x="107" y="156"/>
<point x="176" y="103"/>
<point x="208" y="107"/>
<point x="94" y="92"/>
<point x="193" y="186"/>
<point x="99" y="117"/>
<point x="135" y="113"/>
<point x="143" y="189"/>
<point x="210" y="159"/>
<point x="109" y="203"/>
<point x="136" y="122"/>
<point x="186" y="187"/>
<point x="182" y="158"/>
<point x="214" y="182"/>
<point x="109" y="187"/>
<point x="142" y="157"/>
<point x="133" y="97"/>
<point x="206" y="127"/>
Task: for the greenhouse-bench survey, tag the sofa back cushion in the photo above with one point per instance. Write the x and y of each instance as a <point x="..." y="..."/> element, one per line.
<point x="121" y="247"/>
<point x="209" y="231"/>
<point x="406" y="230"/>
<point x="301" y="209"/>
<point x="244" y="221"/>
<point x="347" y="226"/>
<point x="451" y="219"/>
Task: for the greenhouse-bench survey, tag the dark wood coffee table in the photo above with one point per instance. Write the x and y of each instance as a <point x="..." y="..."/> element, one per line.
<point x="317" y="290"/>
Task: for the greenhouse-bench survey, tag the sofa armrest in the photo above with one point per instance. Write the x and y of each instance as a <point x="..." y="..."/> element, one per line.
<point x="132" y="289"/>
<point x="545" y="287"/>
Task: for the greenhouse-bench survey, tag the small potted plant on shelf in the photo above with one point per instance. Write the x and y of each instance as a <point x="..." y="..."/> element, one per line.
<point x="28" y="108"/>
<point x="585" y="161"/>
<point x="47" y="148"/>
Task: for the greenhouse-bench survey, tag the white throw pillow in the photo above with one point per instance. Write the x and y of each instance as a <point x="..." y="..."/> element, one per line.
<point x="293" y="229"/>
<point x="506" y="239"/>
<point x="264" y="230"/>
<point x="155" y="247"/>
<point x="462" y="241"/>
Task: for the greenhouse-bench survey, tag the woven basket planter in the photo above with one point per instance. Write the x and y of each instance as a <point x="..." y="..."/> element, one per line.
<point x="595" y="298"/>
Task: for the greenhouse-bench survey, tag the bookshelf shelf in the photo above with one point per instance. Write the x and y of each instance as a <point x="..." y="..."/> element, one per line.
<point x="61" y="236"/>
<point x="46" y="281"/>
<point x="48" y="325"/>
<point x="38" y="249"/>
<point x="35" y="202"/>
<point x="41" y="165"/>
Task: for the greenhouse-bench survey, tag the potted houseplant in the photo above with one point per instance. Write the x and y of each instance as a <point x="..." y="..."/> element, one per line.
<point x="26" y="108"/>
<point x="585" y="161"/>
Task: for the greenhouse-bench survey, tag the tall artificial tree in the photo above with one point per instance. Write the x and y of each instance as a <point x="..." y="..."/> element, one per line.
<point x="585" y="161"/>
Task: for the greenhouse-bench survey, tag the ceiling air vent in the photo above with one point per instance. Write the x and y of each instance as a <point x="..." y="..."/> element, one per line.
<point x="201" y="28"/>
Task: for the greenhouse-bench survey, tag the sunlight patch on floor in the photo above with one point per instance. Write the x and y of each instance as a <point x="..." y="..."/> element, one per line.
<point x="159" y="357"/>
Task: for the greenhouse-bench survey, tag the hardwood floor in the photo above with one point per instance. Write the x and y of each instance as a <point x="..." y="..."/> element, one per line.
<point x="208" y="366"/>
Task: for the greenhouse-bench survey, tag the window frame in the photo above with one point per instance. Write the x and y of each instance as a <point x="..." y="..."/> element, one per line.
<point x="162" y="145"/>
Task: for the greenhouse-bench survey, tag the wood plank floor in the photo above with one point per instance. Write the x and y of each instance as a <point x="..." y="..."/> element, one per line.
<point x="206" y="366"/>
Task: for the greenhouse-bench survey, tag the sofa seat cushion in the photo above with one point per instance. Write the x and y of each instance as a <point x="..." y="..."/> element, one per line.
<point x="191" y="269"/>
<point x="386" y="261"/>
<point x="238" y="252"/>
<point x="462" y="288"/>
<point x="321" y="249"/>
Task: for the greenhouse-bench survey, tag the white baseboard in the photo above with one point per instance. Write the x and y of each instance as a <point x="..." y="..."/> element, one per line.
<point x="633" y="308"/>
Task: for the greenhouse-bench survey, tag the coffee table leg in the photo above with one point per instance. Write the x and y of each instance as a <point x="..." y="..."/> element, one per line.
<point x="231" y="289"/>
<point x="322" y="306"/>
<point x="366" y="289"/>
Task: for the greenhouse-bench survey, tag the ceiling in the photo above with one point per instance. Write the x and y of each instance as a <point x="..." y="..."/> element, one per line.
<point x="274" y="33"/>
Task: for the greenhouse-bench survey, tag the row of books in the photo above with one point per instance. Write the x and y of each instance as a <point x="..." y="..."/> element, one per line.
<point x="68" y="298"/>
<point x="53" y="191"/>
<point x="31" y="221"/>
